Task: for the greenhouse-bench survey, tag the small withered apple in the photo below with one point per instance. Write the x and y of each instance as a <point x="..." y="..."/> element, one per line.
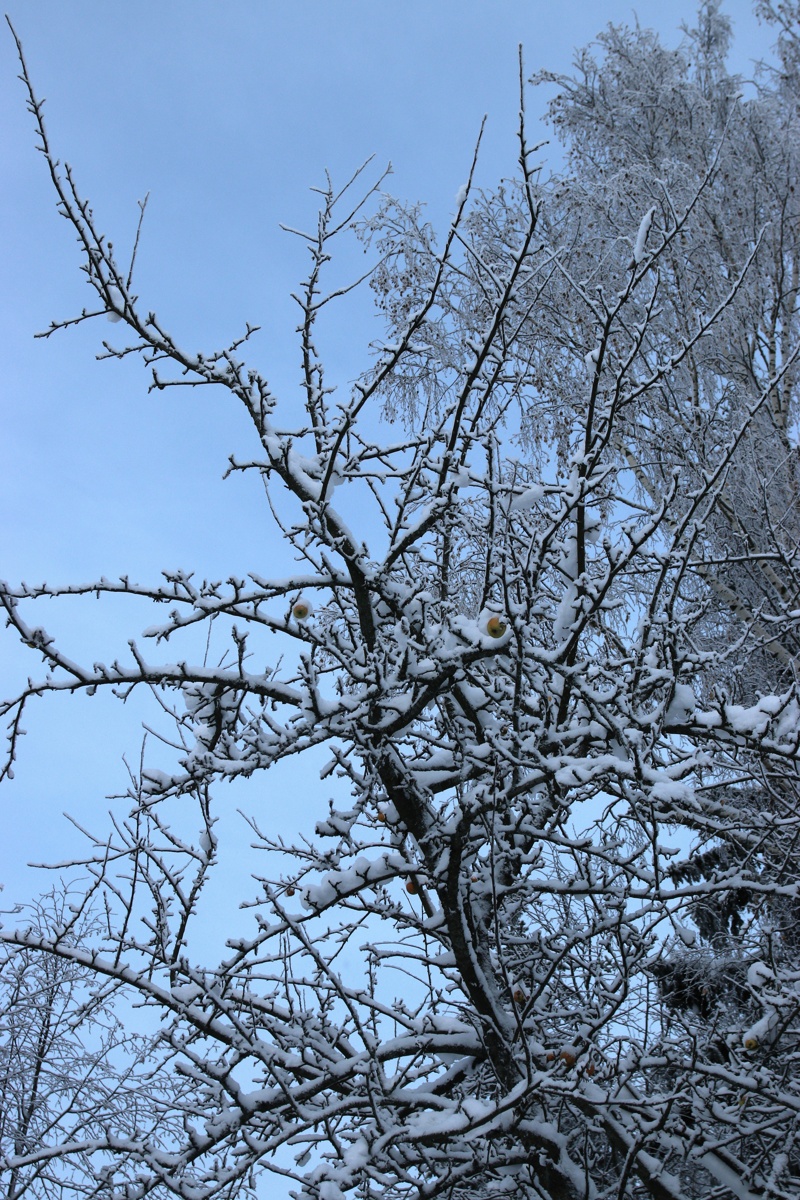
<point x="496" y="627"/>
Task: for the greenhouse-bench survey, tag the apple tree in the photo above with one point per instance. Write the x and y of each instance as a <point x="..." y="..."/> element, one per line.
<point x="519" y="622"/>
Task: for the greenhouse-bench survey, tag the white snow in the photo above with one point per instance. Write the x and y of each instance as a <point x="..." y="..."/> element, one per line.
<point x="682" y="705"/>
<point x="759" y="974"/>
<point x="526" y="499"/>
<point x="641" y="237"/>
<point x="760" y="1032"/>
<point x="116" y="300"/>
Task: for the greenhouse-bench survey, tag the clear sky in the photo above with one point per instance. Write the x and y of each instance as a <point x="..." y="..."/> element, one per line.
<point x="226" y="111"/>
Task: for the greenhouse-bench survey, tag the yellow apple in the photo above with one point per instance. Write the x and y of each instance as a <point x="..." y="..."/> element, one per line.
<point x="496" y="627"/>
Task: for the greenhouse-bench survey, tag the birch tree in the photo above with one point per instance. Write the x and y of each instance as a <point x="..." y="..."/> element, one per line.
<point x="644" y="125"/>
<point x="510" y="657"/>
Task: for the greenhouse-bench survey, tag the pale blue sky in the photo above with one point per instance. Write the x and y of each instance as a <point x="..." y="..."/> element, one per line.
<point x="226" y="111"/>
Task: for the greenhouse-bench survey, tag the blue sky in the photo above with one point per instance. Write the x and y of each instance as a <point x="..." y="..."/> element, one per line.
<point x="226" y="112"/>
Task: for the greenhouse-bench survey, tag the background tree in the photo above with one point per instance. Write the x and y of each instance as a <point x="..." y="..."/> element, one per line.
<point x="688" y="123"/>
<point x="648" y="130"/>
<point x="68" y="1068"/>
<point x="501" y="624"/>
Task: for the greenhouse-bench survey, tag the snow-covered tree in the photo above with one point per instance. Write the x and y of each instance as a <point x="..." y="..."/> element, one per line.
<point x="68" y="1068"/>
<point x="689" y="122"/>
<point x="648" y="128"/>
<point x="520" y="620"/>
